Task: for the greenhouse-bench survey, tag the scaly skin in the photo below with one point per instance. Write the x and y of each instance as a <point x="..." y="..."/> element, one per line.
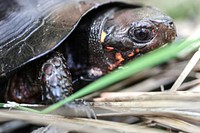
<point x="49" y="82"/>
<point x="113" y="37"/>
<point x="56" y="79"/>
<point x="126" y="34"/>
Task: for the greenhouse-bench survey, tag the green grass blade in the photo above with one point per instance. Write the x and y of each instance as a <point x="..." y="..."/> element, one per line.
<point x="147" y="61"/>
<point x="154" y="58"/>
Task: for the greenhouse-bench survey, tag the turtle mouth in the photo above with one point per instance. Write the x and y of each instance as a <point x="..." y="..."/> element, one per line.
<point x="167" y="29"/>
<point x="170" y="31"/>
<point x="170" y="35"/>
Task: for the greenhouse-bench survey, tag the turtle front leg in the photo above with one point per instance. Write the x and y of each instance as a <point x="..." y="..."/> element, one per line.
<point x="45" y="81"/>
<point x="56" y="79"/>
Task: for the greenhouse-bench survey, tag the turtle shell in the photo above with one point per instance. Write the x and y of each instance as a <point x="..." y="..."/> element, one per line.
<point x="32" y="28"/>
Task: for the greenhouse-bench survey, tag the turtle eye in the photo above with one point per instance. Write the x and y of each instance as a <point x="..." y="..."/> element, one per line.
<point x="140" y="35"/>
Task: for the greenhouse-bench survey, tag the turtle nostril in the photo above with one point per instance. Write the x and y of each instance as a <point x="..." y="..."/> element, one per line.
<point x="171" y="24"/>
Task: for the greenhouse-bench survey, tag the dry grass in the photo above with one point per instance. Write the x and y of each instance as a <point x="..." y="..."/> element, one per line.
<point x="128" y="110"/>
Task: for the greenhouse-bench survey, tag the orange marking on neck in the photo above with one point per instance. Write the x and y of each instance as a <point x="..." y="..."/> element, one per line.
<point x="137" y="50"/>
<point x="111" y="67"/>
<point x="108" y="48"/>
<point x="131" y="54"/>
<point x="119" y="59"/>
<point x="118" y="56"/>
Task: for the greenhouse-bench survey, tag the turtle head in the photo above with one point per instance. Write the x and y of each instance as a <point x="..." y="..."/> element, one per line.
<point x="133" y="32"/>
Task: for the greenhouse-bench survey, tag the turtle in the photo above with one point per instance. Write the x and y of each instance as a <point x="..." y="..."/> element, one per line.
<point x="49" y="48"/>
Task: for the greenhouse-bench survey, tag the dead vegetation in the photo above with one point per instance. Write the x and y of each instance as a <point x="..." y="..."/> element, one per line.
<point x="146" y="105"/>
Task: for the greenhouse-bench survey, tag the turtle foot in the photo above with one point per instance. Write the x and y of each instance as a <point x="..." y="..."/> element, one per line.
<point x="45" y="81"/>
<point x="56" y="78"/>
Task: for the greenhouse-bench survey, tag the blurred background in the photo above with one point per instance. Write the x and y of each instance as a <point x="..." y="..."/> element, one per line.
<point x="186" y="14"/>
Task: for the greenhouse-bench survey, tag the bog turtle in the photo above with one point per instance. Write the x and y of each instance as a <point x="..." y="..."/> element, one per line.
<point x="48" y="46"/>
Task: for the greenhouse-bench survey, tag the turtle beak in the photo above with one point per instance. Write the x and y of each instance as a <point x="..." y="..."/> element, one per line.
<point x="170" y="33"/>
<point x="167" y="29"/>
